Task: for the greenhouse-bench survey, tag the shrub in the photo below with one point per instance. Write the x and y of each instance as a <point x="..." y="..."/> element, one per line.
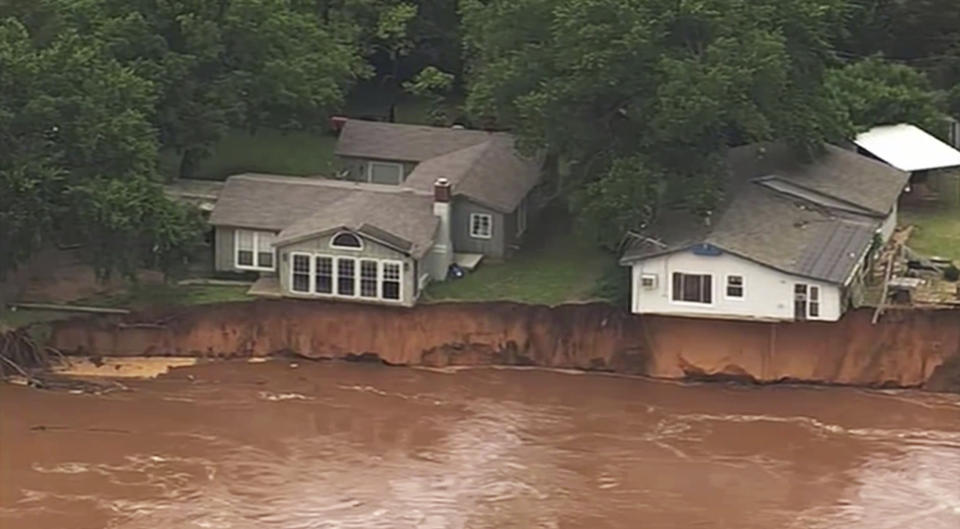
<point x="951" y="273"/>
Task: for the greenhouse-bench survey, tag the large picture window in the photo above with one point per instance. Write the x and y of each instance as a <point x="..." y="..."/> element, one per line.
<point x="481" y="226"/>
<point x="254" y="250"/>
<point x="692" y="288"/>
<point x="327" y="275"/>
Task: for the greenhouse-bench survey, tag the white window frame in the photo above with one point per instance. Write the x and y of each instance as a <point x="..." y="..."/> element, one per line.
<point x="713" y="293"/>
<point x="256" y="251"/>
<point x="382" y="277"/>
<point x="314" y="259"/>
<point x="350" y="248"/>
<point x="310" y="272"/>
<point x="489" y="217"/>
<point x="335" y="271"/>
<point x="743" y="287"/>
<point x="398" y="166"/>
<point x="336" y="276"/>
<point x="652" y="277"/>
<point x="819" y="302"/>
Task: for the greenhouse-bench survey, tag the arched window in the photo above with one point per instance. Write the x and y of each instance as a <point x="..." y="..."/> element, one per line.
<point x="346" y="240"/>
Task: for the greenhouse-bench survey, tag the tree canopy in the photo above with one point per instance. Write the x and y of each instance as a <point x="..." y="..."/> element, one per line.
<point x="638" y="99"/>
<point x="665" y="84"/>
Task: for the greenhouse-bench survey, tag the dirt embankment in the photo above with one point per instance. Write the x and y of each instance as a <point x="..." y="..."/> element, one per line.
<point x="904" y="349"/>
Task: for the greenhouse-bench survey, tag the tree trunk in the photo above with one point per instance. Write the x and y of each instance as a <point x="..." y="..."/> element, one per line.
<point x="189" y="161"/>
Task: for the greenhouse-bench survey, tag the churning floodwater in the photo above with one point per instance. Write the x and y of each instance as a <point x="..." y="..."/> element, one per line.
<point x="333" y="445"/>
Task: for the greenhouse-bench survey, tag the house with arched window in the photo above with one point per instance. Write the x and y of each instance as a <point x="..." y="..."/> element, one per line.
<point x="454" y="195"/>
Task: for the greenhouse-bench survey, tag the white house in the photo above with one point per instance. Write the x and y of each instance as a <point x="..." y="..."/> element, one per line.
<point x="787" y="242"/>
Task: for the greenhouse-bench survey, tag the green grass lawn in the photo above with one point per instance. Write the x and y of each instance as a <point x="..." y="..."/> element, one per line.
<point x="936" y="232"/>
<point x="555" y="266"/>
<point x="268" y="151"/>
<point x="144" y="296"/>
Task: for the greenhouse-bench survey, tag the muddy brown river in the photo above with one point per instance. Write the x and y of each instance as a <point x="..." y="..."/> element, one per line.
<point x="333" y="445"/>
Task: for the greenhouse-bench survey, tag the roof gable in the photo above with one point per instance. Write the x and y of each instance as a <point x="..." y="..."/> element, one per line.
<point x="491" y="173"/>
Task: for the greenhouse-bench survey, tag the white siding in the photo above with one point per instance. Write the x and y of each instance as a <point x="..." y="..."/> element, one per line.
<point x="768" y="293"/>
<point x="890" y="224"/>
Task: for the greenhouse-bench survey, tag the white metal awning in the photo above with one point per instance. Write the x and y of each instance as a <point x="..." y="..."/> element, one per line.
<point x="908" y="148"/>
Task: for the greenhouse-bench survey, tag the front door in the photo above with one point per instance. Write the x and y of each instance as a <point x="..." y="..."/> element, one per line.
<point x="800" y="301"/>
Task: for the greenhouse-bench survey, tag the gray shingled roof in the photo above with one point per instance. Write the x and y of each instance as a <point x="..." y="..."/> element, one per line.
<point x="781" y="230"/>
<point x="403" y="220"/>
<point x="397" y="141"/>
<point x="481" y="166"/>
<point x="838" y="173"/>
<point x="491" y="173"/>
<point x="299" y="207"/>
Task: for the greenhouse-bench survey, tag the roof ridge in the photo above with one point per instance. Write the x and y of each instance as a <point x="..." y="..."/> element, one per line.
<point x="328" y="182"/>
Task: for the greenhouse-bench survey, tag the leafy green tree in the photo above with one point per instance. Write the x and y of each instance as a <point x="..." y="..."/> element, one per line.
<point x="924" y="34"/>
<point x="80" y="156"/>
<point x="231" y="63"/>
<point x="665" y="84"/>
<point x="875" y="92"/>
<point x="432" y="83"/>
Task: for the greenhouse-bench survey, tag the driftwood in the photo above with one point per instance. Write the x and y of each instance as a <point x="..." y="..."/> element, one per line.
<point x="19" y="354"/>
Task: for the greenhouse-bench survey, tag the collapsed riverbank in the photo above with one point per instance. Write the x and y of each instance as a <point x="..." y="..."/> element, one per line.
<point x="906" y="349"/>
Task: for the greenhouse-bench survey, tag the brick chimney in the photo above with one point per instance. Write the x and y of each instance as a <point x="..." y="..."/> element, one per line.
<point x="441" y="190"/>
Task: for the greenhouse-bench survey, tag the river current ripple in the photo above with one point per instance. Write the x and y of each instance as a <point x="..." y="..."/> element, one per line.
<point x="332" y="445"/>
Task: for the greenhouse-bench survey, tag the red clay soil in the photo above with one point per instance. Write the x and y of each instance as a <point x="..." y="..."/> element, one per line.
<point x="904" y="350"/>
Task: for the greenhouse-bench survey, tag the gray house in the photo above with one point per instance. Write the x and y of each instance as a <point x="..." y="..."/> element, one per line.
<point x="402" y="218"/>
<point x="489" y="180"/>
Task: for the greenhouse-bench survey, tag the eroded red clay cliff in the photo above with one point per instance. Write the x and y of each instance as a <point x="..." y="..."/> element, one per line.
<point x="904" y="349"/>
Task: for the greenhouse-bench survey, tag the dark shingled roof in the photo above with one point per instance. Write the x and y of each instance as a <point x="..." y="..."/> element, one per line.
<point x="805" y="237"/>
<point x="303" y="207"/>
<point x="481" y="166"/>
<point x="838" y="173"/>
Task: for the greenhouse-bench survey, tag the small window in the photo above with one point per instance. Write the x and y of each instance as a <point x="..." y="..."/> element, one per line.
<point x="735" y="287"/>
<point x="245" y="248"/>
<point x="346" y="240"/>
<point x="300" y="273"/>
<point x="692" y="288"/>
<point x="324" y="276"/>
<point x="346" y="276"/>
<point x="814" y="302"/>
<point x="648" y="281"/>
<point x="391" y="280"/>
<point x="481" y="226"/>
<point x="368" y="278"/>
<point x="254" y="250"/>
<point x="265" y="250"/>
<point x="385" y="173"/>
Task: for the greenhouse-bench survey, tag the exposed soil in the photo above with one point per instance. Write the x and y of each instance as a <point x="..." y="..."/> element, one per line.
<point x="904" y="350"/>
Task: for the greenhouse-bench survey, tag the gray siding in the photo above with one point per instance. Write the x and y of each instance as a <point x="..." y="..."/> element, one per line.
<point x="223" y="260"/>
<point x="371" y="249"/>
<point x="357" y="167"/>
<point x="460" y="230"/>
